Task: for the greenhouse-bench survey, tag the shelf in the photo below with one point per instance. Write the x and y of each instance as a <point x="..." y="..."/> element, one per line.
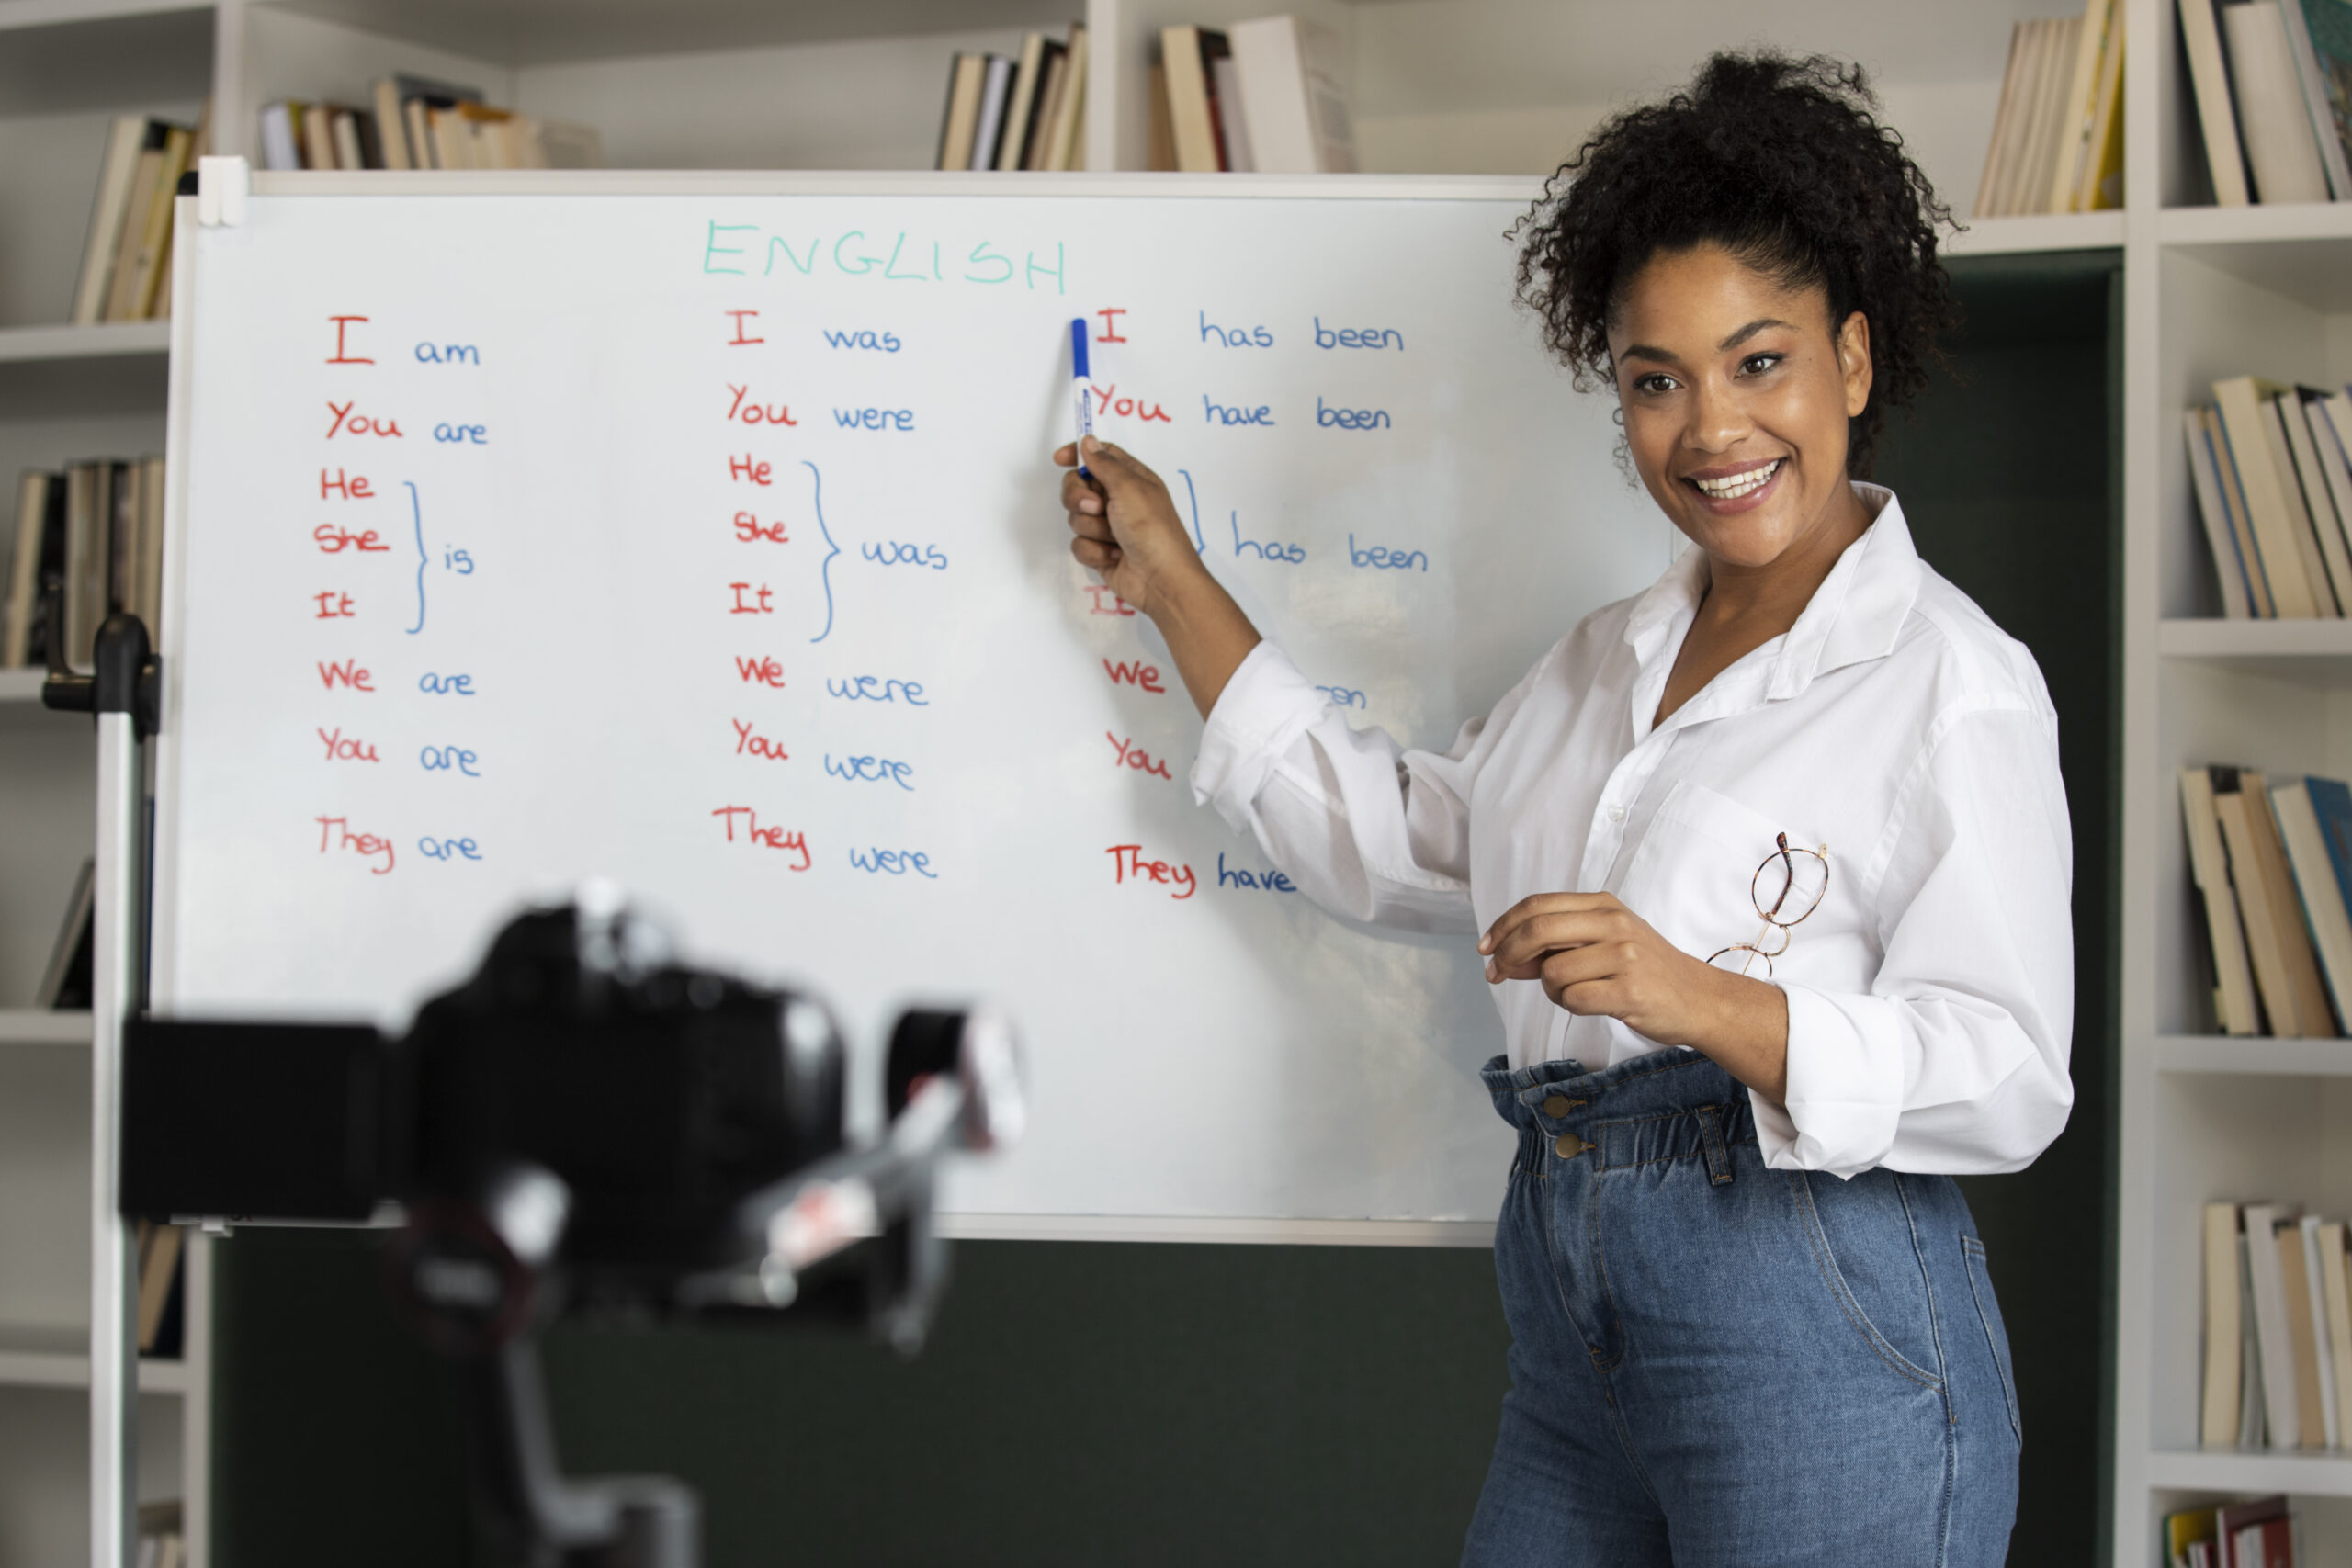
<point x="23" y="345"/>
<point x="59" y="1357"/>
<point x="65" y="56"/>
<point x="2253" y="1055"/>
<point x="49" y="372"/>
<point x="21" y="686"/>
<point x="2318" y="652"/>
<point x="2044" y="231"/>
<point x="2311" y="1475"/>
<point x="36" y="1026"/>
<point x="2302" y="250"/>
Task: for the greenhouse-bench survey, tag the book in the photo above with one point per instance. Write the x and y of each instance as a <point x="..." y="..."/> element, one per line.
<point x="2234" y="1005"/>
<point x="391" y="133"/>
<point x="1232" y="118"/>
<point x="2279" y="881"/>
<point x="2099" y="186"/>
<point x="149" y="264"/>
<point x="2042" y="46"/>
<point x="2319" y="35"/>
<point x="2049" y="107"/>
<point x="1049" y="105"/>
<point x="147" y="599"/>
<point x="959" y="125"/>
<point x="2273" y="1330"/>
<point x="122" y="535"/>
<point x="2303" y="1329"/>
<point x="2253" y="1416"/>
<point x="996" y="97"/>
<point x="343" y="129"/>
<point x="2291" y="561"/>
<point x="2217" y="116"/>
<point x="2306" y="489"/>
<point x="2336" y="1301"/>
<point x="2323" y="1351"/>
<point x="1184" y="54"/>
<point x="2221" y="532"/>
<point x="1293" y="94"/>
<point x="2306" y="414"/>
<point x="1066" y="145"/>
<point x="2267" y="904"/>
<point x="2276" y="129"/>
<point x="1161" y="147"/>
<point x="2185" y="1529"/>
<point x="66" y="982"/>
<point x="2241" y="519"/>
<point x="2326" y="913"/>
<point x="2074" y="134"/>
<point x="318" y="137"/>
<point x="146" y="177"/>
<point x="281" y="134"/>
<point x="2231" y="1520"/>
<point x="159" y="1273"/>
<point x="88" y="503"/>
<point x="1020" y="109"/>
<point x="18" y="644"/>
<point x="414" y="120"/>
<point x="125" y="140"/>
<point x="2217" y="1406"/>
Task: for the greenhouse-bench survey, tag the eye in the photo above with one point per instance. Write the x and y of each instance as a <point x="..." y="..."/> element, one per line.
<point x="1757" y="364"/>
<point x="1655" y="383"/>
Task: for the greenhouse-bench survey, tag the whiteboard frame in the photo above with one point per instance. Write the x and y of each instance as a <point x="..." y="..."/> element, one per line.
<point x="1199" y="1229"/>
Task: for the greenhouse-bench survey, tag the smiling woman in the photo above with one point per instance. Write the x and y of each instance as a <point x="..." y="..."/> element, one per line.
<point x="1769" y="867"/>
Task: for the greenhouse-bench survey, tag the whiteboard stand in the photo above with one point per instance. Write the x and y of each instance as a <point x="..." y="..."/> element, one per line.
<point x="122" y="693"/>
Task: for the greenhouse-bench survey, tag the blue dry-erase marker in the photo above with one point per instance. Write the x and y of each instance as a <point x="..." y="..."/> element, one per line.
<point x="1084" y="384"/>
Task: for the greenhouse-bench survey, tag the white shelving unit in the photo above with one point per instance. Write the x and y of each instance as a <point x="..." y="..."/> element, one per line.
<point x="2209" y="292"/>
<point x="1440" y="87"/>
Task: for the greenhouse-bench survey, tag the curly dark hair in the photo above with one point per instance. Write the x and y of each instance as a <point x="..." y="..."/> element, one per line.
<point x="1783" y="164"/>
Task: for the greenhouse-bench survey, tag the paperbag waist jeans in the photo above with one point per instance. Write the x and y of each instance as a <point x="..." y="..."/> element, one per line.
<point x="1714" y="1365"/>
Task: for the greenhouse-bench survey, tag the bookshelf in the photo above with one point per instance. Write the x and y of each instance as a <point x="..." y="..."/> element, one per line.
<point x="1442" y="87"/>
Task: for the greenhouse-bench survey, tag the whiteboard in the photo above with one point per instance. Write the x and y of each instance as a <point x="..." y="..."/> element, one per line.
<point x="699" y="534"/>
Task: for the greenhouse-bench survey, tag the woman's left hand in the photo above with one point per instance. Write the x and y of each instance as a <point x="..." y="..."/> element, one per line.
<point x="1595" y="956"/>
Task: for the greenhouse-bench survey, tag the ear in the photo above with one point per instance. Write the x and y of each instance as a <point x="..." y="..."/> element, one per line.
<point x="1854" y="361"/>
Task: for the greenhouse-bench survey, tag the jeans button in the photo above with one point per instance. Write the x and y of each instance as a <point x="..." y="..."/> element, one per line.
<point x="1556" y="1105"/>
<point x="1568" y="1145"/>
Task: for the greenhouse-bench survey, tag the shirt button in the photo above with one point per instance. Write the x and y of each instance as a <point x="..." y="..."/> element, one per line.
<point x="1556" y="1105"/>
<point x="1568" y="1145"/>
<point x="1616" y="814"/>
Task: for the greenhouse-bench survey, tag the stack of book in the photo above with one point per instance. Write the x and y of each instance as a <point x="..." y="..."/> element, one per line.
<point x="127" y="260"/>
<point x="2272" y="865"/>
<point x="2257" y="1534"/>
<point x="1010" y="114"/>
<point x="163" y="1541"/>
<point x="2272" y="468"/>
<point x="2058" y="136"/>
<point x="2278" y="1370"/>
<point x="1263" y="97"/>
<point x="414" y="123"/>
<point x="96" y="530"/>
<point x="2273" y="80"/>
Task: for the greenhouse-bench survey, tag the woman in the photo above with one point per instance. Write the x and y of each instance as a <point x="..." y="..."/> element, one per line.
<point x="1769" y="866"/>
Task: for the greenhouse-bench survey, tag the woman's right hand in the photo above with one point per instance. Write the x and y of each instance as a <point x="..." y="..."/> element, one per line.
<point x="1127" y="529"/>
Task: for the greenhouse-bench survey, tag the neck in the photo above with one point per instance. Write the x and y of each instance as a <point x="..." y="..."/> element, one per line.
<point x="1776" y="593"/>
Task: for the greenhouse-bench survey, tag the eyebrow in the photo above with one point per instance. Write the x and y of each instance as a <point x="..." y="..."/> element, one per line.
<point x="1666" y="357"/>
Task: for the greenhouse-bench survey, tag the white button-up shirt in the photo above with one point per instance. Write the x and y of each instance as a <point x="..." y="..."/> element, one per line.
<point x="1894" y="727"/>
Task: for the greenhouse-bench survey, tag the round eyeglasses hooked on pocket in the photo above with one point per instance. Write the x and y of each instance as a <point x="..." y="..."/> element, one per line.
<point x="1786" y="888"/>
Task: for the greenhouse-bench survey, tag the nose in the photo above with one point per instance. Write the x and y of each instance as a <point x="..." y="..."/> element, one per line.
<point x="1718" y="420"/>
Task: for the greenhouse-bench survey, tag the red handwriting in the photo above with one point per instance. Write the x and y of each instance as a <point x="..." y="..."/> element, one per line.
<point x="764" y="606"/>
<point x="1134" y="673"/>
<point x="334" y="541"/>
<point x="1133" y="756"/>
<point x="740" y="336"/>
<point x="333" y="606"/>
<point x="345" y="748"/>
<point x="1129" y="407"/>
<point x="334" y="834"/>
<point x="757" y="413"/>
<point x="1128" y="864"/>
<point x="351" y="488"/>
<point x="343" y="354"/>
<point x="759" y="672"/>
<point x="751" y="743"/>
<point x="748" y="529"/>
<point x="764" y="838"/>
<point x="745" y="467"/>
<point x="349" y="672"/>
<point x="1110" y="326"/>
<point x="349" y="423"/>
<point x="1117" y="606"/>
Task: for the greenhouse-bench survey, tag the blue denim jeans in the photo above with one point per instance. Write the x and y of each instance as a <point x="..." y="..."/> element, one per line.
<point x="1714" y="1365"/>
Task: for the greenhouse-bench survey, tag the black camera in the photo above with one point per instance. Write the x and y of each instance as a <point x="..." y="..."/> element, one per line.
<point x="586" y="1125"/>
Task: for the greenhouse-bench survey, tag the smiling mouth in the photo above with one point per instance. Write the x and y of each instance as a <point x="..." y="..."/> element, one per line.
<point x="1732" y="487"/>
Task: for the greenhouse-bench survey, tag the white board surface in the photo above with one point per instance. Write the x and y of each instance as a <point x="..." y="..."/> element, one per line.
<point x="782" y="634"/>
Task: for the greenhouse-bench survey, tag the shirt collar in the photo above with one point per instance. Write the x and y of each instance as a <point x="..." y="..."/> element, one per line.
<point x="1854" y="615"/>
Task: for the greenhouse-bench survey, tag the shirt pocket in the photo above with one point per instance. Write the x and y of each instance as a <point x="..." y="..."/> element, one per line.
<point x="1693" y="878"/>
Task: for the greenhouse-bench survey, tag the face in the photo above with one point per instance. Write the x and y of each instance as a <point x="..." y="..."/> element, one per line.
<point x="1735" y="393"/>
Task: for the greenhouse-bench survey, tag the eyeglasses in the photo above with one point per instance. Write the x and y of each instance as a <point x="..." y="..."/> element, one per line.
<point x="1786" y="888"/>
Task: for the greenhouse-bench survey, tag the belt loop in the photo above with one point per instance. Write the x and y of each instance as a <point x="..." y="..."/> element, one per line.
<point x="1711" y="1134"/>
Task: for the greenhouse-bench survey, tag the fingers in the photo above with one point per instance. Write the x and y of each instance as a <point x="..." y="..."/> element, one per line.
<point x="1095" y="554"/>
<point x="1066" y="455"/>
<point x="1081" y="495"/>
<point x="1539" y="904"/>
<point x="1114" y="467"/>
<point x="1521" y="952"/>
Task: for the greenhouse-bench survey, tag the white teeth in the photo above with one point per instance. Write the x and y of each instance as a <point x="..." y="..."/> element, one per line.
<point x="1737" y="485"/>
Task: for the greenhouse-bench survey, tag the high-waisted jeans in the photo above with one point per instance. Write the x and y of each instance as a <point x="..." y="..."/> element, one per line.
<point x="1714" y="1365"/>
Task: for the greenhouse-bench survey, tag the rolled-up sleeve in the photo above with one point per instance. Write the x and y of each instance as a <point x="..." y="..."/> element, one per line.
<point x="1955" y="1060"/>
<point x="1369" y="829"/>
